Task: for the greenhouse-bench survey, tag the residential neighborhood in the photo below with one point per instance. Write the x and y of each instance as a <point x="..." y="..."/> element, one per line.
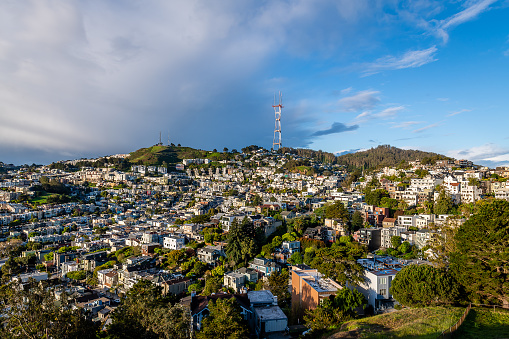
<point x="253" y="230"/>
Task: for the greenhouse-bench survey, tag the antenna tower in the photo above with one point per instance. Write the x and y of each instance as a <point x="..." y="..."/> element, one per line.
<point x="276" y="144"/>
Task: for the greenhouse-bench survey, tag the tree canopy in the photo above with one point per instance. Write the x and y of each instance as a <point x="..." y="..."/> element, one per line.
<point x="424" y="285"/>
<point x="224" y="321"/>
<point x="481" y="259"/>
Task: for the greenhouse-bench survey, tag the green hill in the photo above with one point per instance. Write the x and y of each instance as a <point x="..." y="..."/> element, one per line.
<point x="158" y="155"/>
<point x="421" y="323"/>
<point x="386" y="155"/>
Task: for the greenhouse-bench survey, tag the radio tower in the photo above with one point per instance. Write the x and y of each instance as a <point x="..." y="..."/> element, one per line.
<point x="276" y="144"/>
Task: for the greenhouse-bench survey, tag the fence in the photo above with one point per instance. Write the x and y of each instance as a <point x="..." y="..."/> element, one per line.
<point x="448" y="333"/>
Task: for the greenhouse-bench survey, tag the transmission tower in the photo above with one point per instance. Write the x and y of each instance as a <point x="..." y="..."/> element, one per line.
<point x="276" y="144"/>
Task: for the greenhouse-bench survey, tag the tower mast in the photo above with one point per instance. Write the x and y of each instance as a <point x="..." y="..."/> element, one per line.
<point x="276" y="143"/>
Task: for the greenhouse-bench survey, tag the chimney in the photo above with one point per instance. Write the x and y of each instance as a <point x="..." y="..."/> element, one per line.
<point x="275" y="301"/>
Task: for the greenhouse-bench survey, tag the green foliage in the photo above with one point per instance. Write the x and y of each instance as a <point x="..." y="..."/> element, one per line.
<point x="481" y="259"/>
<point x="277" y="283"/>
<point x="224" y="321"/>
<point x="243" y="242"/>
<point x="145" y="314"/>
<point x="339" y="262"/>
<point x="443" y="204"/>
<point x="213" y="285"/>
<point x="336" y="210"/>
<point x="374" y="197"/>
<point x="32" y="313"/>
<point x="385" y="155"/>
<point x="296" y="259"/>
<point x="395" y="241"/>
<point x="357" y="220"/>
<point x="424" y="285"/>
<point x="77" y="275"/>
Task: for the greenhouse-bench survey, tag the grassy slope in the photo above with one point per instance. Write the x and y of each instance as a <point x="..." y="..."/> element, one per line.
<point x="484" y="323"/>
<point x="407" y="323"/>
<point x="155" y="155"/>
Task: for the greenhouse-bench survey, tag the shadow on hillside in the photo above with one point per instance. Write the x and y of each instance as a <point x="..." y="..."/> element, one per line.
<point x="483" y="323"/>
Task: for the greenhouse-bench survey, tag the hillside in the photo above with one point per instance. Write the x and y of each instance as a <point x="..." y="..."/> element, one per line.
<point x="386" y="155"/>
<point x="170" y="155"/>
<point x="422" y="323"/>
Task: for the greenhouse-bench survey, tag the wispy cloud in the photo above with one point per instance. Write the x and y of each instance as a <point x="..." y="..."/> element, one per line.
<point x="387" y="113"/>
<point x="410" y="59"/>
<point x="443" y="99"/>
<point x="336" y="127"/>
<point x="488" y="154"/>
<point x="422" y="129"/>
<point x="364" y="100"/>
<point x="407" y="124"/>
<point x="459" y="112"/>
<point x="465" y="15"/>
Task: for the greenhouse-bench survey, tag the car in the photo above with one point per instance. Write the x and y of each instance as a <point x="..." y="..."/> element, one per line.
<point x="117" y="301"/>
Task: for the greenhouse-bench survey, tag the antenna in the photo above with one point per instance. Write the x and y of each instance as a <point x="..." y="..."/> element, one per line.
<point x="168" y="138"/>
<point x="276" y="143"/>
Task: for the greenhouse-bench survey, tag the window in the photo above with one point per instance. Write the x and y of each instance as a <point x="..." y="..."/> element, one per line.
<point x="382" y="291"/>
<point x="383" y="281"/>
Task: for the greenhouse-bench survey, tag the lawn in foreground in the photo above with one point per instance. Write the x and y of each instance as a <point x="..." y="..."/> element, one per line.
<point x="407" y="323"/>
<point x="484" y="323"/>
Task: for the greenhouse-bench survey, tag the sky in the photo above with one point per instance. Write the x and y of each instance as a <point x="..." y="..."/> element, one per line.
<point x="81" y="79"/>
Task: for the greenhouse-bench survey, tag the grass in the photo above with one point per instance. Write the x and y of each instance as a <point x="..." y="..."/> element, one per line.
<point x="42" y="199"/>
<point x="407" y="323"/>
<point x="484" y="323"/>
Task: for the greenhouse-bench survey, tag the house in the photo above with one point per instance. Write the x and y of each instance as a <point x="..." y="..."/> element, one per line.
<point x="149" y="248"/>
<point x="211" y="254"/>
<point x="174" y="243"/>
<point x="268" y="317"/>
<point x="371" y="237"/>
<point x="265" y="266"/>
<point x="378" y="275"/>
<point x="198" y="306"/>
<point x="389" y="222"/>
<point x="309" y="287"/>
<point x="176" y="285"/>
<point x="288" y="215"/>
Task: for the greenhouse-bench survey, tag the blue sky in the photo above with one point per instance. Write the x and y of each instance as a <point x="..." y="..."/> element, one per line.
<point x="92" y="78"/>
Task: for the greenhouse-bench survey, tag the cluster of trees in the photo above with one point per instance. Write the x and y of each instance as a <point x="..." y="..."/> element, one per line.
<point x="386" y="155"/>
<point x="31" y="312"/>
<point x="244" y="242"/>
<point x="472" y="262"/>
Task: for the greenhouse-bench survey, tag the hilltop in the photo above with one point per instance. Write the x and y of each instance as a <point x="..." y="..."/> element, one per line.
<point x="386" y="155"/>
<point x="158" y="155"/>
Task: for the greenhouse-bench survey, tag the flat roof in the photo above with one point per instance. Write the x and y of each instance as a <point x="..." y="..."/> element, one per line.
<point x="270" y="313"/>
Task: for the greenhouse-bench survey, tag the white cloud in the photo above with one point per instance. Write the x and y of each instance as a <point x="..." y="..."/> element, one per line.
<point x="488" y="154"/>
<point x="472" y="11"/>
<point x="422" y="129"/>
<point x="459" y="112"/>
<point x="364" y="100"/>
<point x="387" y="113"/>
<point x="407" y="124"/>
<point x="410" y="59"/>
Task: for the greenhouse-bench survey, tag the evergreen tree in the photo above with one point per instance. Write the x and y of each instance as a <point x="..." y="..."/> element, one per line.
<point x="481" y="259"/>
<point x="424" y="285"/>
<point x="224" y="321"/>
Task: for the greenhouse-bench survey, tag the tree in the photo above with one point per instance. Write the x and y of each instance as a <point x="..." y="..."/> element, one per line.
<point x="424" y="285"/>
<point x="277" y="283"/>
<point x="144" y="314"/>
<point x="481" y="260"/>
<point x="339" y="262"/>
<point x="395" y="241"/>
<point x="357" y="220"/>
<point x="336" y="210"/>
<point x="31" y="312"/>
<point x="213" y="285"/>
<point x="443" y="204"/>
<point x="374" y="197"/>
<point x="296" y="258"/>
<point x="224" y="321"/>
<point x="243" y="242"/>
<point x="77" y="275"/>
